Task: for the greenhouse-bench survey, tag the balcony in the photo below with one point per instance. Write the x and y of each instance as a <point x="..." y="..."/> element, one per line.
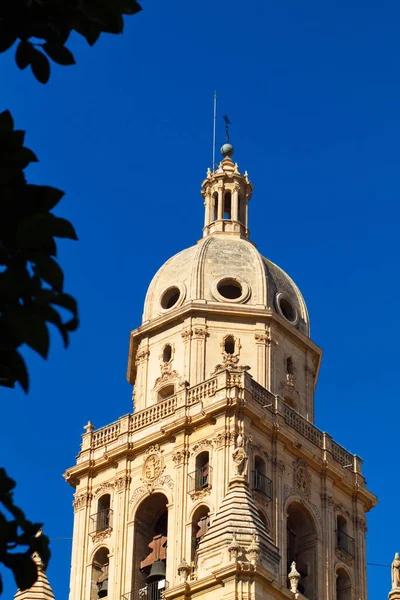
<point x="150" y="591"/>
<point x="101" y="521"/>
<point x="199" y="479"/>
<point x="345" y="543"/>
<point x="262" y="484"/>
<point x="190" y="404"/>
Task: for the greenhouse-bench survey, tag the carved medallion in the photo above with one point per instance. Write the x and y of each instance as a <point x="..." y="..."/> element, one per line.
<point x="301" y="477"/>
<point x="153" y="464"/>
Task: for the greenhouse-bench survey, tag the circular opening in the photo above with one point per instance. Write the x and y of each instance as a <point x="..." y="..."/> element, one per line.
<point x="230" y="289"/>
<point x="287" y="309"/>
<point x="170" y="298"/>
<point x="167" y="353"/>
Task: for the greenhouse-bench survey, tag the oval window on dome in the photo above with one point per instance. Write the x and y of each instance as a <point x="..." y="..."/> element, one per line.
<point x="230" y="289"/>
<point x="286" y="309"/>
<point x="172" y="297"/>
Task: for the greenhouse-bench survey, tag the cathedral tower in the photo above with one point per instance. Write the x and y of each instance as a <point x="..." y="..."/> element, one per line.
<point x="218" y="484"/>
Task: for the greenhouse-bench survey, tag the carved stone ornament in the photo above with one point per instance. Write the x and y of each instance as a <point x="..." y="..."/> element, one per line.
<point x="99" y="536"/>
<point x="82" y="501"/>
<point x="180" y="456"/>
<point x="223" y="439"/>
<point x="263" y="338"/>
<point x="279" y="465"/>
<point x="165" y="377"/>
<point x="199" y="494"/>
<point x="103" y="488"/>
<point x="240" y="454"/>
<point x="122" y="483"/>
<point x="202" y="445"/>
<point x="187" y="334"/>
<point x="153" y="464"/>
<point x="142" y="355"/>
<point x="344" y="557"/>
<point x="200" y="332"/>
<point x="288" y="491"/>
<point x="164" y="481"/>
<point x="301" y="477"/>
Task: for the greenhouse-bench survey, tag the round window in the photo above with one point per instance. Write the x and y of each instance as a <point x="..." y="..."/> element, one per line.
<point x="170" y="298"/>
<point x="230" y="289"/>
<point x="286" y="309"/>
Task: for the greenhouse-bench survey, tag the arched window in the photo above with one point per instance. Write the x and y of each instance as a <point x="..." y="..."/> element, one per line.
<point x="301" y="547"/>
<point x="227" y="205"/>
<point x="167" y="353"/>
<point x="200" y="479"/>
<point x="241" y="210"/>
<point x="200" y="525"/>
<point x="264" y="520"/>
<point x="150" y="546"/>
<point x="103" y="516"/>
<point x="99" y="579"/>
<point x="344" y="541"/>
<point x="229" y="344"/>
<point x="343" y="585"/>
<point x="166" y="392"/>
<point x="261" y="483"/>
<point x="289" y="366"/>
<point x="215" y="206"/>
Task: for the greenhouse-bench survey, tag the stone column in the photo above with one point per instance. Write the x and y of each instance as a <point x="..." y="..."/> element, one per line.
<point x="235" y="203"/>
<point x="220" y="215"/>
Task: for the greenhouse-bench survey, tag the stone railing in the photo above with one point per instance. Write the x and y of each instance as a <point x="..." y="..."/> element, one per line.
<point x="152" y="414"/>
<point x="237" y="384"/>
<point x="201" y="391"/>
<point x="301" y="425"/>
<point x="104" y="436"/>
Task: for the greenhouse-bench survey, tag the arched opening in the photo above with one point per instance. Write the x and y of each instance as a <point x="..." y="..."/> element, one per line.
<point x="229" y="344"/>
<point x="103" y="516"/>
<point x="215" y="206"/>
<point x="344" y="541"/>
<point x="227" y="205"/>
<point x="289" y="366"/>
<point x="343" y="585"/>
<point x="264" y="519"/>
<point x="302" y="548"/>
<point x="261" y="483"/>
<point x="99" y="579"/>
<point x="167" y="353"/>
<point x="150" y="547"/>
<point x="166" y="392"/>
<point x="200" y="479"/>
<point x="200" y="525"/>
<point x="241" y="210"/>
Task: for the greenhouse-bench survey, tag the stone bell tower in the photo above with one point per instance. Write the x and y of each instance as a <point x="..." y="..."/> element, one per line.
<point x="218" y="484"/>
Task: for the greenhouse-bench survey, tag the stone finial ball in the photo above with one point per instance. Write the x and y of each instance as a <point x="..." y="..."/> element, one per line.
<point x="227" y="150"/>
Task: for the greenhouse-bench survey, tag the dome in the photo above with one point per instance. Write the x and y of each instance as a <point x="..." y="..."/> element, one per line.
<point x="229" y="270"/>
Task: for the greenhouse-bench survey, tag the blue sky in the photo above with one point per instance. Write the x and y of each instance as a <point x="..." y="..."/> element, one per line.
<point x="313" y="92"/>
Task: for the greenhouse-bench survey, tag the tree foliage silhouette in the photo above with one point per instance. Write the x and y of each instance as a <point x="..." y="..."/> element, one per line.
<point x="31" y="280"/>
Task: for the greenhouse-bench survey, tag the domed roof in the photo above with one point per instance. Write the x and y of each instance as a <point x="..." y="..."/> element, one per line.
<point x="225" y="269"/>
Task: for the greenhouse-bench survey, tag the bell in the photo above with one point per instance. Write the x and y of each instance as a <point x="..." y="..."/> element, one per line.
<point x="103" y="589"/>
<point x="157" y="571"/>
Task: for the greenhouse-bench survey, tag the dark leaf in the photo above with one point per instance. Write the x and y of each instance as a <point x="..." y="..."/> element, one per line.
<point x="62" y="228"/>
<point x="52" y="316"/>
<point x="32" y="328"/>
<point x="49" y="270"/>
<point x="65" y="300"/>
<point x="87" y="28"/>
<point x="60" y="54"/>
<point x="24" y="570"/>
<point x="24" y="54"/>
<point x="6" y="122"/>
<point x="41" y="546"/>
<point x="42" y="197"/>
<point x="12" y="140"/>
<point x="104" y="14"/>
<point x="6" y="484"/>
<point x="40" y="66"/>
<point x="20" y="371"/>
<point x="72" y="325"/>
<point x="6" y="39"/>
<point x="129" y="7"/>
<point x="21" y="158"/>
